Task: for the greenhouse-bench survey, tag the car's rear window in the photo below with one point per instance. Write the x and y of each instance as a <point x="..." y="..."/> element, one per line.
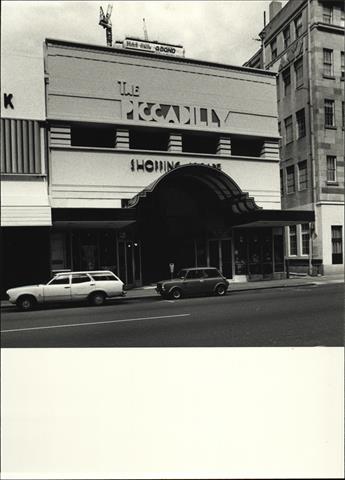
<point x="103" y="277"/>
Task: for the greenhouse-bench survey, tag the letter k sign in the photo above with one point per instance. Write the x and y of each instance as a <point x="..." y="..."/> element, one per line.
<point x="8" y="100"/>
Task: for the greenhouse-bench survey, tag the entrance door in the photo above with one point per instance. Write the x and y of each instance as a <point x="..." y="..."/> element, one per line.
<point x="219" y="255"/>
<point x="130" y="262"/>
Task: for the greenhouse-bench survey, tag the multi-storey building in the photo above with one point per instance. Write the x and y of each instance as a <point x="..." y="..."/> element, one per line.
<point x="304" y="43"/>
<point x="146" y="161"/>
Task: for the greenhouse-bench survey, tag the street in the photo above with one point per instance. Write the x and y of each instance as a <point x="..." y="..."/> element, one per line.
<point x="299" y="316"/>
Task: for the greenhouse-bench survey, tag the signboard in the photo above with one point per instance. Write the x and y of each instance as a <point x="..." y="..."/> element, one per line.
<point x="153" y="47"/>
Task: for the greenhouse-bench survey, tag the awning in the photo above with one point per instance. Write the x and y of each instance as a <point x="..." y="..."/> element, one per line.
<point x="111" y="218"/>
<point x="273" y="218"/>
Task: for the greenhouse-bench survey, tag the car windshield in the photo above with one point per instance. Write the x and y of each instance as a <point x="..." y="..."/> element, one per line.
<point x="181" y="274"/>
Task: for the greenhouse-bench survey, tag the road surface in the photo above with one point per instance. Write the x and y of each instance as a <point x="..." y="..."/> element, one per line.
<point x="296" y="316"/>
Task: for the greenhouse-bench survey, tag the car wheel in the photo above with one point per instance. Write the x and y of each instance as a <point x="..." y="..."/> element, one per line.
<point x="220" y="290"/>
<point x="26" y="303"/>
<point x="176" y="293"/>
<point x="97" y="299"/>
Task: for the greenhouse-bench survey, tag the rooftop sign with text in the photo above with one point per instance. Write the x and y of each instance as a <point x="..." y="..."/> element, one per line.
<point x="153" y="47"/>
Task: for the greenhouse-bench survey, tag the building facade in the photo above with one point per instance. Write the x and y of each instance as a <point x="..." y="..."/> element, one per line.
<point x="25" y="204"/>
<point x="150" y="161"/>
<point x="304" y="43"/>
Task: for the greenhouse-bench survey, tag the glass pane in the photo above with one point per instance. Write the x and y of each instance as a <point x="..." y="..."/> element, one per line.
<point x="226" y="258"/>
<point x="214" y="253"/>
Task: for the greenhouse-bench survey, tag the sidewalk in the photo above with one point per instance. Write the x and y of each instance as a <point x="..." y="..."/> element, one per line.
<point x="149" y="291"/>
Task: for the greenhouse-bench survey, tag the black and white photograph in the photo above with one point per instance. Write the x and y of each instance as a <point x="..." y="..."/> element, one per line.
<point x="172" y="239"/>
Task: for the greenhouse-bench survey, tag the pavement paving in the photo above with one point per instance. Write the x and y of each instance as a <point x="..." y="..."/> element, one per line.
<point x="149" y="290"/>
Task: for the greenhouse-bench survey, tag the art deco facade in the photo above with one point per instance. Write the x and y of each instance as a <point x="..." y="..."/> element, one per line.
<point x="145" y="160"/>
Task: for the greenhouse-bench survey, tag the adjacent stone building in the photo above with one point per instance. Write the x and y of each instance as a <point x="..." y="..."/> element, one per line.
<point x="304" y="43"/>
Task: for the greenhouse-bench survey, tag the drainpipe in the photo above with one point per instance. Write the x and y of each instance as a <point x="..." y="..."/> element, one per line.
<point x="311" y="137"/>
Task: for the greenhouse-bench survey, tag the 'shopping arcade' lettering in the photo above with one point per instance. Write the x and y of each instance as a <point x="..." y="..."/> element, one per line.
<point x="161" y="166"/>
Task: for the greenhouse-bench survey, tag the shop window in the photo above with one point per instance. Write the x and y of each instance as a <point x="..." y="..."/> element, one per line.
<point x="302" y="175"/>
<point x="246" y="147"/>
<point x="337" y="244"/>
<point x="287" y="81"/>
<point x="240" y="253"/>
<point x="299" y="71"/>
<point x="342" y="15"/>
<point x="274" y="49"/>
<point x="278" y="248"/>
<point x="300" y="123"/>
<point x="194" y="143"/>
<point x="93" y="136"/>
<point x="328" y="67"/>
<point x="343" y="114"/>
<point x="293" y="239"/>
<point x="290" y="179"/>
<point x="327" y="14"/>
<point x="288" y="130"/>
<point x="331" y="168"/>
<point x="342" y="65"/>
<point x="287" y="37"/>
<point x="305" y="238"/>
<point x="329" y="113"/>
<point x="147" y="139"/>
<point x="298" y="26"/>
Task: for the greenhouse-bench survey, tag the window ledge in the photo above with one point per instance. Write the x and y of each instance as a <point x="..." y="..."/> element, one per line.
<point x="334" y="183"/>
<point x="330" y="77"/>
<point x="330" y="127"/>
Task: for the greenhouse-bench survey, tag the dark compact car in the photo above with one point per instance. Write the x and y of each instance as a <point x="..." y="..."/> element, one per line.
<point x="194" y="281"/>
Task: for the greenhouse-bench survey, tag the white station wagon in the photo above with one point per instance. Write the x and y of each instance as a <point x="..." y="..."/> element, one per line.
<point x="93" y="287"/>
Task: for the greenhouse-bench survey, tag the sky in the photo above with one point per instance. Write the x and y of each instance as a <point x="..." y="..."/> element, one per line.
<point x="219" y="31"/>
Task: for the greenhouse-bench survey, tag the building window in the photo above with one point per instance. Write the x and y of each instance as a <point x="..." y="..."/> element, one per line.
<point x="342" y="15"/>
<point x="93" y="136"/>
<point x="331" y="168"/>
<point x="328" y="69"/>
<point x="280" y="134"/>
<point x="287" y="37"/>
<point x="342" y="65"/>
<point x="337" y="244"/>
<point x="327" y="15"/>
<point x="148" y="139"/>
<point x="288" y="129"/>
<point x="298" y="26"/>
<point x="287" y="81"/>
<point x="206" y="143"/>
<point x="343" y="114"/>
<point x="329" y="113"/>
<point x="274" y="49"/>
<point x="302" y="175"/>
<point x="305" y="238"/>
<point x="300" y="121"/>
<point x="290" y="179"/>
<point x="293" y="239"/>
<point x="281" y="183"/>
<point x="299" y="71"/>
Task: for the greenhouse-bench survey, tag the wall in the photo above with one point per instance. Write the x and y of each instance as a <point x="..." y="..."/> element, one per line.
<point x="83" y="86"/>
<point x="330" y="215"/>
<point x="88" y="179"/>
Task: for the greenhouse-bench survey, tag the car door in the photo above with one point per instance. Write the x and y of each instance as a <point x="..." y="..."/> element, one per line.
<point x="58" y="289"/>
<point x="194" y="282"/>
<point x="81" y="287"/>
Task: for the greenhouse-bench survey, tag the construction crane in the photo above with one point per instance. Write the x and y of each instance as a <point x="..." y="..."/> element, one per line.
<point x="145" y="30"/>
<point x="105" y="22"/>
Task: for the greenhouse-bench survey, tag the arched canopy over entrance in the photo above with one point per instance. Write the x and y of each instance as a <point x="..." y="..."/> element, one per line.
<point x="217" y="183"/>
